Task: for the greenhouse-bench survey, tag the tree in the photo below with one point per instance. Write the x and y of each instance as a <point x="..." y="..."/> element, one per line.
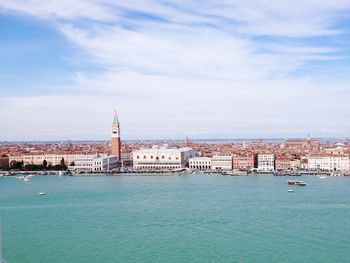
<point x="45" y="163"/>
<point x="16" y="165"/>
<point x="63" y="164"/>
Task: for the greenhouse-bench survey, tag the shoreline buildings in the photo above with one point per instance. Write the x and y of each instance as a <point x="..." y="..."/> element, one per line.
<point x="200" y="163"/>
<point x="243" y="162"/>
<point x="328" y="162"/>
<point x="266" y="162"/>
<point x="221" y="162"/>
<point x="77" y="162"/>
<point x="163" y="157"/>
<point x="95" y="163"/>
<point x="256" y="155"/>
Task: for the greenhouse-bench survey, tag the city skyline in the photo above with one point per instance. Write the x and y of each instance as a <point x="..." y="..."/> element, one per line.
<point x="174" y="69"/>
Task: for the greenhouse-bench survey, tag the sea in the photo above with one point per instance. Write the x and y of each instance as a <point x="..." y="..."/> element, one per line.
<point x="178" y="218"/>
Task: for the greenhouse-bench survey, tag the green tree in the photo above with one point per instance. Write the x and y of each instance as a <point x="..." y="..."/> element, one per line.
<point x="45" y="163"/>
<point x="63" y="164"/>
<point x="16" y="165"/>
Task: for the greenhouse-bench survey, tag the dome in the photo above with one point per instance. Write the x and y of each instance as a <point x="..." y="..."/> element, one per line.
<point x="165" y="146"/>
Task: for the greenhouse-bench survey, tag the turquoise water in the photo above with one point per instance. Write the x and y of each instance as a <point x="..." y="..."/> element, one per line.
<point x="175" y="219"/>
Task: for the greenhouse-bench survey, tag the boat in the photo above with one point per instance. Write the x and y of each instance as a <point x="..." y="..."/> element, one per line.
<point x="291" y="182"/>
<point x="26" y="179"/>
<point x="41" y="193"/>
<point x="322" y="177"/>
<point x="300" y="183"/>
<point x="290" y="191"/>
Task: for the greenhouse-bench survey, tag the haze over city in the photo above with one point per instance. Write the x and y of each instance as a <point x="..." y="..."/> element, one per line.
<point x="174" y="69"/>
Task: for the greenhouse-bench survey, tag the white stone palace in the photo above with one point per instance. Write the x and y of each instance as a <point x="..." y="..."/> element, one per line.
<point x="162" y="157"/>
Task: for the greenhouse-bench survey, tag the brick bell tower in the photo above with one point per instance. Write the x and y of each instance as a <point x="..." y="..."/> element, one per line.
<point x="115" y="136"/>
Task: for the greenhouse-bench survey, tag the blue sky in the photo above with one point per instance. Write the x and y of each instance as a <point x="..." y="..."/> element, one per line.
<point x="174" y="69"/>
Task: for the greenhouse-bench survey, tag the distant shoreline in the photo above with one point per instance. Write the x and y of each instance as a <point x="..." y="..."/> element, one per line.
<point x="210" y="141"/>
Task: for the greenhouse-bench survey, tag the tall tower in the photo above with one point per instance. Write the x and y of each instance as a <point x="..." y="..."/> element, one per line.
<point x="115" y="134"/>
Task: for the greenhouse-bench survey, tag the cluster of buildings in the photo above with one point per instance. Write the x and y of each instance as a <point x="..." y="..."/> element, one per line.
<point x="260" y="162"/>
<point x="81" y="160"/>
<point x="300" y="154"/>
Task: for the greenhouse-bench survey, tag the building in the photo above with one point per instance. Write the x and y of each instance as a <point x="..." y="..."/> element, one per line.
<point x="126" y="160"/>
<point x="295" y="164"/>
<point x="4" y="162"/>
<point x="163" y="158"/>
<point x="282" y="163"/>
<point x="95" y="163"/>
<point x="221" y="162"/>
<point x="51" y="159"/>
<point x="328" y="162"/>
<point x="243" y="162"/>
<point x="200" y="163"/>
<point x="115" y="138"/>
<point x="335" y="150"/>
<point x="301" y="145"/>
<point x="266" y="162"/>
<point x="303" y="163"/>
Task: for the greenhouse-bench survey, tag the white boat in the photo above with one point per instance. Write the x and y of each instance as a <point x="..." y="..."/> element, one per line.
<point x="290" y="191"/>
<point x="322" y="177"/>
<point x="41" y="193"/>
<point x="26" y="179"/>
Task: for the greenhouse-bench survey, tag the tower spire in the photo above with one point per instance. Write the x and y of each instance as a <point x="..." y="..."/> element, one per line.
<point x="115" y="136"/>
<point x="115" y="118"/>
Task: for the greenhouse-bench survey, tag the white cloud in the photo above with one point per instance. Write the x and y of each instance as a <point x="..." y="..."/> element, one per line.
<point x="200" y="107"/>
<point x="202" y="71"/>
<point x="57" y="9"/>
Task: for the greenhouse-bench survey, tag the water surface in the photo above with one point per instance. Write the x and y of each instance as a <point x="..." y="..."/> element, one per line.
<point x="175" y="219"/>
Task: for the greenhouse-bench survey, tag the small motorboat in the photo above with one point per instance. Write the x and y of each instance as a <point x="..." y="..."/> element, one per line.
<point x="300" y="183"/>
<point x="41" y="193"/>
<point x="290" y="182"/>
<point x="26" y="179"/>
<point x="290" y="191"/>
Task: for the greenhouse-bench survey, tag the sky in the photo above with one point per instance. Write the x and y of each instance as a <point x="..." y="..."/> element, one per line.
<point x="174" y="69"/>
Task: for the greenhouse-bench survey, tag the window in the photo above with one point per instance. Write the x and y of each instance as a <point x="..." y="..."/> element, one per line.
<point x="138" y="157"/>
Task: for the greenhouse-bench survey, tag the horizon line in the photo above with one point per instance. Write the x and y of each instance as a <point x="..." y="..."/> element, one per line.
<point x="176" y="139"/>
